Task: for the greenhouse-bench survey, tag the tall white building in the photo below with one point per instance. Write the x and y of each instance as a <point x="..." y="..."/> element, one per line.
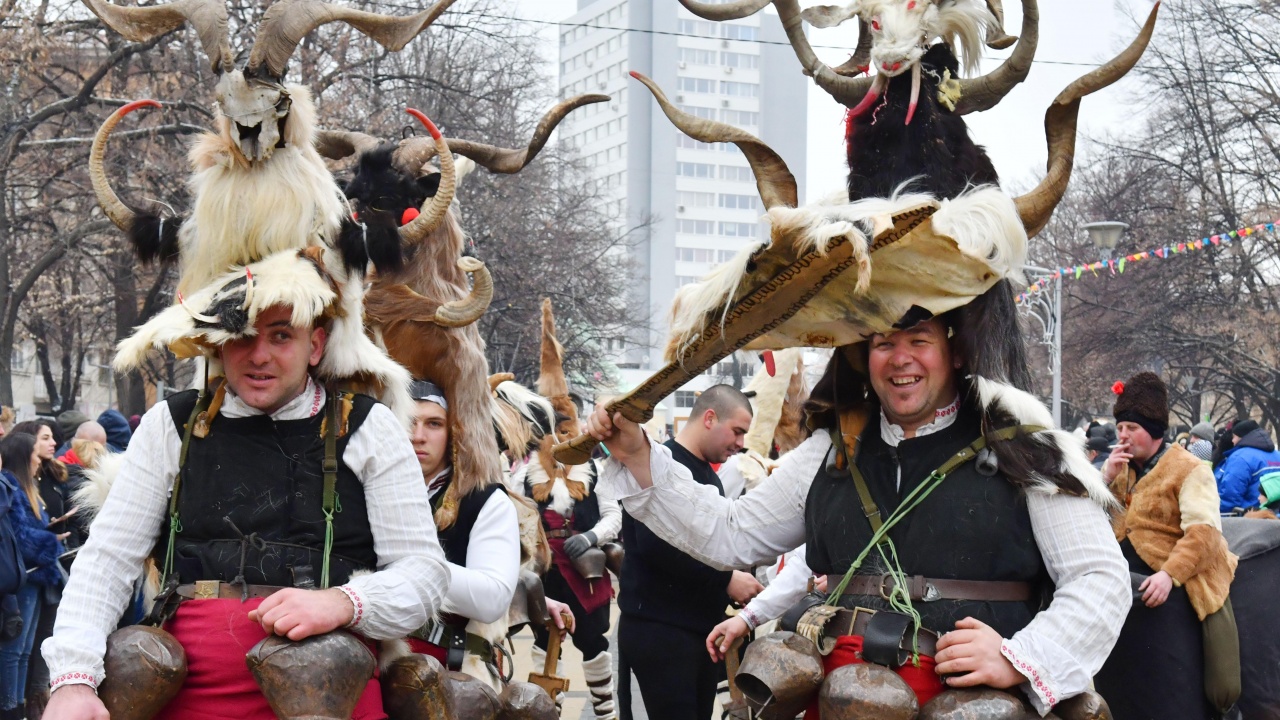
<point x="699" y="199"/>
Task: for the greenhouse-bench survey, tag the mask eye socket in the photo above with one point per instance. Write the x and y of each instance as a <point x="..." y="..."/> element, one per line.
<point x="875" y="24"/>
<point x="284" y="104"/>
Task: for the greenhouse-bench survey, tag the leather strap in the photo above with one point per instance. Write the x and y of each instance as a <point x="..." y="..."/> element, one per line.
<point x="330" y="504"/>
<point x="456" y="642"/>
<point x="859" y="621"/>
<point x="560" y="533"/>
<point x="214" y="589"/>
<point x="930" y="589"/>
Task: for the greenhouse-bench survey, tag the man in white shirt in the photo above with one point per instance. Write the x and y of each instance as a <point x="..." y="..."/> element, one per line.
<point x="1009" y="563"/>
<point x="251" y="513"/>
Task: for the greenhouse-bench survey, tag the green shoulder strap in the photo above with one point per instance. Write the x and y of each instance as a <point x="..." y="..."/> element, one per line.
<point x="331" y="504"/>
<point x="175" y="523"/>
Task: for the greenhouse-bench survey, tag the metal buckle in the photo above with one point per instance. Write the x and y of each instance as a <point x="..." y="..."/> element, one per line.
<point x="206" y="589"/>
<point x="930" y="593"/>
<point x="886" y="579"/>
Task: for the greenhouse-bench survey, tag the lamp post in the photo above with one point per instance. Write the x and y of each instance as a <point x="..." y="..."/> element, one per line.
<point x="1105" y="235"/>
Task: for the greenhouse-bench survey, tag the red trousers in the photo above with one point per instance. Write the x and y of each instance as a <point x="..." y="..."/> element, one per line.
<point x="423" y="647"/>
<point x="217" y="634"/>
<point x="923" y="680"/>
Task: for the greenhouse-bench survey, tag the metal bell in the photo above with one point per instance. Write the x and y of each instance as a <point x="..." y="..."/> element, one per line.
<point x="413" y="688"/>
<point x="977" y="704"/>
<point x="780" y="675"/>
<point x="866" y="692"/>
<point x="319" y="678"/>
<point x="613" y="556"/>
<point x="526" y="701"/>
<point x="469" y="698"/>
<point x="1088" y="705"/>
<point x="529" y="602"/>
<point x="590" y="564"/>
<point x="145" y="668"/>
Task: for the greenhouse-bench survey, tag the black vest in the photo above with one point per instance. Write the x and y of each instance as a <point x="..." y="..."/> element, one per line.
<point x="266" y="477"/>
<point x="586" y="512"/>
<point x="971" y="527"/>
<point x="457" y="537"/>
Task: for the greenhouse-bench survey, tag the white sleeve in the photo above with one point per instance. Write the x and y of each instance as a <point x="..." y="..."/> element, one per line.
<point x="731" y="478"/>
<point x="482" y="590"/>
<point x="694" y="518"/>
<point x="412" y="575"/>
<point x="785" y="591"/>
<point x="610" y="523"/>
<point x="1065" y="644"/>
<point x="123" y="535"/>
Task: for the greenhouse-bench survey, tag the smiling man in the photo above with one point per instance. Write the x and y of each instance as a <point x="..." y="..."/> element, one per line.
<point x="1009" y="562"/>
<point x="289" y="491"/>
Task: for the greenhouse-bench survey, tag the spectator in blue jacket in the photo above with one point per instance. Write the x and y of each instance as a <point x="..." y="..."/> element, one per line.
<point x="117" y="427"/>
<point x="1244" y="464"/>
<point x="40" y="550"/>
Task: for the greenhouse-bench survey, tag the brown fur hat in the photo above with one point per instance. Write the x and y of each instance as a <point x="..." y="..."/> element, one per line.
<point x="1143" y="399"/>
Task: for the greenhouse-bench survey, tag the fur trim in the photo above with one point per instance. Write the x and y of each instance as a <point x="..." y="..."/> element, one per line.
<point x="564" y="485"/>
<point x="552" y="383"/>
<point x="771" y="392"/>
<point x="1050" y="461"/>
<point x="521" y="417"/>
<point x="92" y="493"/>
<point x="389" y="651"/>
<point x="984" y="223"/>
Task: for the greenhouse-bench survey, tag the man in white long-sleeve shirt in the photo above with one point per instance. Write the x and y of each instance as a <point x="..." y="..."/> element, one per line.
<point x="1009" y="562"/>
<point x="250" y="517"/>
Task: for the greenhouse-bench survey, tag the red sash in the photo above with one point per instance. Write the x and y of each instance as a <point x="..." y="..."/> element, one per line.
<point x="923" y="680"/>
<point x="216" y="635"/>
<point x="593" y="594"/>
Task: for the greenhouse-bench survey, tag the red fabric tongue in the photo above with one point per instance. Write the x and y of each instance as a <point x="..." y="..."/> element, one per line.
<point x="410" y="214"/>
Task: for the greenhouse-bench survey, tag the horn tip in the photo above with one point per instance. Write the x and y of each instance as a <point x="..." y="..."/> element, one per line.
<point x="131" y="106"/>
<point x="426" y="122"/>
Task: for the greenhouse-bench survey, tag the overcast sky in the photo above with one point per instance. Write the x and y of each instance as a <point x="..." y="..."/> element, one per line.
<point x="1071" y="31"/>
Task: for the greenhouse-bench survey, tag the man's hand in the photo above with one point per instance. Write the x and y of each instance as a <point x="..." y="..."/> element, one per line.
<point x="562" y="616"/>
<point x="1156" y="588"/>
<point x="972" y="651"/>
<point x="580" y="543"/>
<point x="742" y="587"/>
<point x="299" y="614"/>
<point x="75" y="702"/>
<point x="1116" y="461"/>
<point x="723" y="636"/>
<point x="820" y="583"/>
<point x="623" y="438"/>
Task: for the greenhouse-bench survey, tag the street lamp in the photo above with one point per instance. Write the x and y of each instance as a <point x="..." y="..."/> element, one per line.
<point x="1105" y="235"/>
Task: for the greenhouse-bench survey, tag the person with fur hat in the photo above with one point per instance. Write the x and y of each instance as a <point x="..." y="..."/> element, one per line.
<point x="273" y="502"/>
<point x="1251" y="456"/>
<point x="1171" y="535"/>
<point x="893" y="417"/>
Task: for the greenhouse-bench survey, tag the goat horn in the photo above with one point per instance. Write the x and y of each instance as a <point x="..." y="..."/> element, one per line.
<point x="414" y="153"/>
<point x="1037" y="206"/>
<point x="860" y="61"/>
<point x="122" y="215"/>
<point x="140" y="24"/>
<point x="459" y="313"/>
<point x="435" y="207"/>
<point x="847" y="91"/>
<point x="288" y="21"/>
<point x="725" y="11"/>
<point x="998" y="39"/>
<point x="497" y="379"/>
<point x="774" y="181"/>
<point x="339" y="144"/>
<point x="983" y="93"/>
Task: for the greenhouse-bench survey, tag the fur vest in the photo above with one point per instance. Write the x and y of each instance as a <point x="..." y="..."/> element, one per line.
<point x="1173" y="523"/>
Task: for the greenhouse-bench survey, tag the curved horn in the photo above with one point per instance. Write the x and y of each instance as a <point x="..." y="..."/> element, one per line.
<point x="497" y="379"/>
<point x="726" y="11"/>
<point x="774" y="181"/>
<point x="860" y="62"/>
<point x="1037" y="206"/>
<point x="847" y="91"/>
<point x="122" y="215"/>
<point x="982" y="93"/>
<point x="339" y="144"/>
<point x="288" y="21"/>
<point x="436" y="206"/>
<point x="415" y="152"/>
<point x="459" y="313"/>
<point x="998" y="39"/>
<point x="140" y="24"/>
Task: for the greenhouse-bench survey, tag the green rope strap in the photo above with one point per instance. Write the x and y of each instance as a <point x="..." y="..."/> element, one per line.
<point x="331" y="504"/>
<point x="175" y="523"/>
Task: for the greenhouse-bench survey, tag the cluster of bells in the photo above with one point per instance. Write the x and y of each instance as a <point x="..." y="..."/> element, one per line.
<point x="782" y="673"/>
<point x="320" y="678"/>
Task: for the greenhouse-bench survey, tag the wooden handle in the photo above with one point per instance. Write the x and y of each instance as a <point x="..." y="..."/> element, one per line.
<point x="731" y="669"/>
<point x="576" y="451"/>
<point x="553" y="646"/>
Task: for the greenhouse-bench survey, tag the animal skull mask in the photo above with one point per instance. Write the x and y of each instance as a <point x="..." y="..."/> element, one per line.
<point x="255" y="113"/>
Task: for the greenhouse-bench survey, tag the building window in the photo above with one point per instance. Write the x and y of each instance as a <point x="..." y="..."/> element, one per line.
<point x="740" y="117"/>
<point x="738" y="202"/>
<point x="685" y="398"/>
<point x="737" y="32"/>
<point x="692" y="56"/>
<point x="697" y="170"/>
<point x="688" y="143"/>
<point x="682" y="280"/>
<point x="725" y="255"/>
<point x="702" y="112"/>
<point x="740" y="60"/>
<point x="695" y="227"/>
<point x="701" y="28"/>
<point x="695" y="255"/>
<point x="697" y="85"/>
<point x="739" y="89"/>
<point x="734" y="173"/>
<point x="691" y="199"/>
<point x="734" y="229"/>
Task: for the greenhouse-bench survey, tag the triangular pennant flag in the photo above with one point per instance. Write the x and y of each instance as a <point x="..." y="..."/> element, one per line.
<point x="1159" y="252"/>
<point x="1215" y="240"/>
<point x="1122" y="262"/>
<point x="1079" y="270"/>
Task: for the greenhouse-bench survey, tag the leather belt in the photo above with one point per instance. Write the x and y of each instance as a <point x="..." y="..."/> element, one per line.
<point x="930" y="589"/>
<point x="858" y="621"/>
<point x="456" y="642"/>
<point x="560" y="533"/>
<point x="210" y="589"/>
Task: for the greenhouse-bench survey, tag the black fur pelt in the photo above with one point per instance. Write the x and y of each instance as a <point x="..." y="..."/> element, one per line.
<point x="935" y="149"/>
<point x="989" y="339"/>
<point x="381" y="193"/>
<point x="154" y="237"/>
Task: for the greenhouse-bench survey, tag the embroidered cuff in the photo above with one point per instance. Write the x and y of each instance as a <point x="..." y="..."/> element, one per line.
<point x="749" y="618"/>
<point x="1039" y="686"/>
<point x="74" y="678"/>
<point x="357" y="603"/>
